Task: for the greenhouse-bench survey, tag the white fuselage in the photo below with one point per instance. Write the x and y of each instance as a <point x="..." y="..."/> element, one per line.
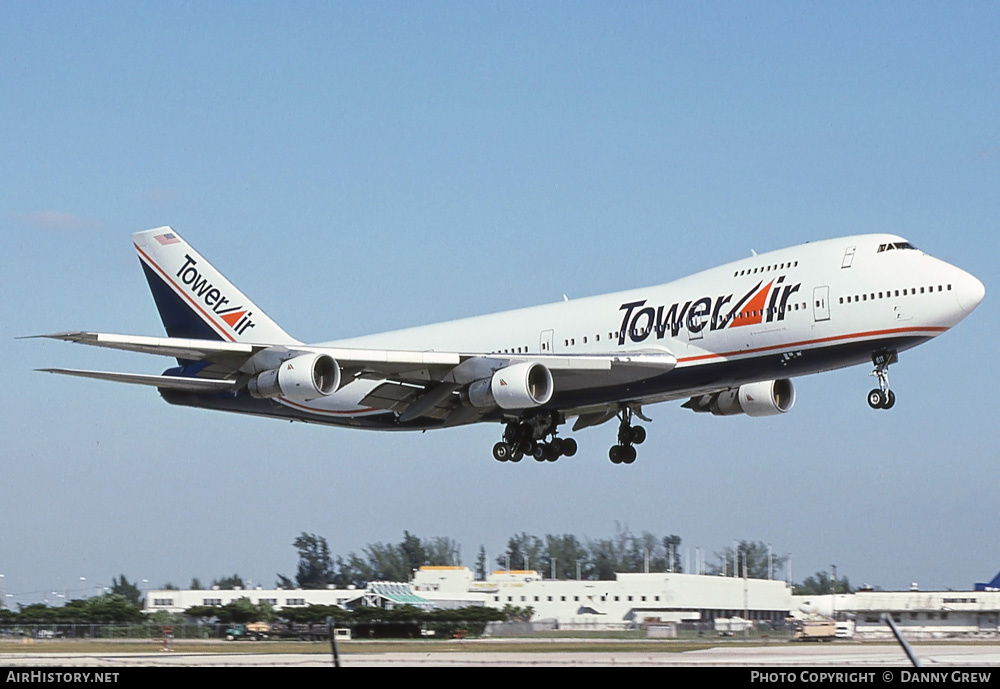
<point x="794" y="311"/>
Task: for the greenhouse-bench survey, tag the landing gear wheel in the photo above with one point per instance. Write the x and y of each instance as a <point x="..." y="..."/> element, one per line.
<point x="615" y="454"/>
<point x="882" y="398"/>
<point x="638" y="435"/>
<point x="628" y="454"/>
<point x="535" y="436"/>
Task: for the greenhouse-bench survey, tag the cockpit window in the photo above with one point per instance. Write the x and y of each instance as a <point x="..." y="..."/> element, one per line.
<point x="895" y="245"/>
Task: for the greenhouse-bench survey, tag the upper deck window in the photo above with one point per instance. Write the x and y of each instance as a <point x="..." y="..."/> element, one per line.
<point x="895" y="245"/>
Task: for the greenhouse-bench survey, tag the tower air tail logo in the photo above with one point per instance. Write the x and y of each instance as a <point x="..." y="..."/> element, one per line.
<point x="236" y="317"/>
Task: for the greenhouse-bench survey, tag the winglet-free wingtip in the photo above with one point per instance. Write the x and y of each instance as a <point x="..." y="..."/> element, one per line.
<point x="65" y="336"/>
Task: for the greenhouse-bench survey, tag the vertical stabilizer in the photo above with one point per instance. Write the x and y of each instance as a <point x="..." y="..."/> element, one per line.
<point x="194" y="299"/>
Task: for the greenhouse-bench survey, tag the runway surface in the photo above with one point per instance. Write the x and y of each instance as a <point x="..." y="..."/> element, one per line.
<point x="784" y="655"/>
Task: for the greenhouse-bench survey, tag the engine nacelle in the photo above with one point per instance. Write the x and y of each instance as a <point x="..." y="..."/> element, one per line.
<point x="766" y="398"/>
<point x="300" y="379"/>
<point x="520" y="386"/>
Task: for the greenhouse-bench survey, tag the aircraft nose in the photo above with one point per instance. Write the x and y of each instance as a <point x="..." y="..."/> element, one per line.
<point x="969" y="291"/>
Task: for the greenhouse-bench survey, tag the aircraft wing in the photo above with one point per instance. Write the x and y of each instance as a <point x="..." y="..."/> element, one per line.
<point x="177" y="347"/>
<point x="171" y="382"/>
<point x="415" y="383"/>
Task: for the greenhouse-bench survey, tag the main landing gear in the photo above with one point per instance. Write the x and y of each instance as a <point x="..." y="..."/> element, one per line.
<point x="528" y="437"/>
<point x="628" y="437"/>
<point x="882" y="397"/>
<point x="535" y="436"/>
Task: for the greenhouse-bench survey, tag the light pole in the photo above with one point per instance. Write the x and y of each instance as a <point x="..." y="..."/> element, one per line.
<point x="833" y="593"/>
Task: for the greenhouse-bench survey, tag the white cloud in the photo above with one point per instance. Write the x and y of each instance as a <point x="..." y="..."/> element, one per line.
<point x="56" y="220"/>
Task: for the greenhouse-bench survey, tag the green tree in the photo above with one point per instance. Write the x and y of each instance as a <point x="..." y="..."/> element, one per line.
<point x="564" y="551"/>
<point x="386" y="562"/>
<point x="315" y="570"/>
<point x="672" y="544"/>
<point x="481" y="564"/>
<point x="523" y="552"/>
<point x="442" y="551"/>
<point x="113" y="607"/>
<point x="820" y="583"/>
<point x="127" y="589"/>
<point x="412" y="552"/>
<point x="751" y="555"/>
<point x="229" y="583"/>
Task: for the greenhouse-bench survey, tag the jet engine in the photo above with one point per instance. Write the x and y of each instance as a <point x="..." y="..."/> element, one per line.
<point x="766" y="398"/>
<point x="520" y="386"/>
<point x="300" y="379"/>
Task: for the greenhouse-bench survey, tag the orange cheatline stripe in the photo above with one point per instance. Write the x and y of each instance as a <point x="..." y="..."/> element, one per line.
<point x="833" y="338"/>
<point x="183" y="294"/>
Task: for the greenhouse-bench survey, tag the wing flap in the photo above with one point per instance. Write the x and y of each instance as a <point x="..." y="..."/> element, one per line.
<point x="408" y="401"/>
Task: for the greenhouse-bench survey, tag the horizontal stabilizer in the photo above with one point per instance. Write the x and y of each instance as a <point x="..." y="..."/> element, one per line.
<point x="170" y="382"/>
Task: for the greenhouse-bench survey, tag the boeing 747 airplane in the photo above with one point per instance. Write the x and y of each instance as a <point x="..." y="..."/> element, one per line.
<point x="728" y="340"/>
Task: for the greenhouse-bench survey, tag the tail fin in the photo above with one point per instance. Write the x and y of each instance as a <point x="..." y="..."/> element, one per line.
<point x="194" y="299"/>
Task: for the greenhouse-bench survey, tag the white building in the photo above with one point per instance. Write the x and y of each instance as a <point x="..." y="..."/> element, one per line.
<point x="626" y="601"/>
<point x="177" y="601"/>
<point x="917" y="614"/>
<point x="928" y="614"/>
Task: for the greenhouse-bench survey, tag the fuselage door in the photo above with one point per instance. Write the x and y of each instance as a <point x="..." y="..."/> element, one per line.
<point x="848" y="257"/>
<point x="545" y="342"/>
<point x="696" y="326"/>
<point x="821" y="303"/>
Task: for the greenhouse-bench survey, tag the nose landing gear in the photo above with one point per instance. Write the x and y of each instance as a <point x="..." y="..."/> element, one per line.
<point x="882" y="397"/>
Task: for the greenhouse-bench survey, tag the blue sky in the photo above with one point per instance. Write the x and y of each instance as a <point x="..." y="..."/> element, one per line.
<point x="358" y="167"/>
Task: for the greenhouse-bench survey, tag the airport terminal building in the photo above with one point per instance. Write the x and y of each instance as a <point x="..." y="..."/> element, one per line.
<point x="628" y="601"/>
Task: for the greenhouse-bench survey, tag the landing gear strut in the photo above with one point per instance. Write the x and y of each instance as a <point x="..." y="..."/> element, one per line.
<point x="628" y="436"/>
<point x="528" y="437"/>
<point x="882" y="397"/>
